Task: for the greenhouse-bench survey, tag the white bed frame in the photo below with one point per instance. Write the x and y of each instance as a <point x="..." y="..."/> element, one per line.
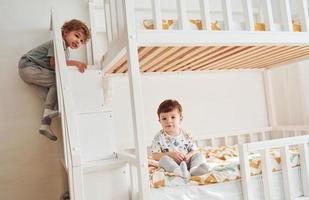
<point x="261" y="140"/>
<point x="124" y="39"/>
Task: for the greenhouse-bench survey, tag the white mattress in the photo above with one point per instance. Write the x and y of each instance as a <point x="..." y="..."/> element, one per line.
<point x="230" y="190"/>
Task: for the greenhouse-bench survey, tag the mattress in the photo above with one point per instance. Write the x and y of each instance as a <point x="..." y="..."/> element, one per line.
<point x="223" y="179"/>
<point x="229" y="190"/>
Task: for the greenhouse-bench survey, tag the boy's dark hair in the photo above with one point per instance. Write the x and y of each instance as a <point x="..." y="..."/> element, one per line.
<point x="168" y="106"/>
<point x="75" y="25"/>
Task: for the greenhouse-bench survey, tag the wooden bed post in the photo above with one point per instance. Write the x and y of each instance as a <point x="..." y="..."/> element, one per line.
<point x="269" y="20"/>
<point x="156" y="14"/>
<point x="286" y="17"/>
<point x="248" y="10"/>
<point x="136" y="102"/>
<point x="244" y="171"/>
<point x="227" y="15"/>
<point x="205" y="14"/>
<point x="303" y="5"/>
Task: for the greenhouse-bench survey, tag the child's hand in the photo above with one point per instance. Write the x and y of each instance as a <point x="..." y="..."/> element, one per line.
<point x="177" y="156"/>
<point x="81" y="66"/>
<point x="189" y="155"/>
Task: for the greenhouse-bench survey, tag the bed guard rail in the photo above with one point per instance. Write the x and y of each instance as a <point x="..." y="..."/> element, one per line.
<point x="300" y="139"/>
<point x="262" y="18"/>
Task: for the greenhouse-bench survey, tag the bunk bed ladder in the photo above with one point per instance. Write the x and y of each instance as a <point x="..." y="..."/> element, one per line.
<point x="71" y="151"/>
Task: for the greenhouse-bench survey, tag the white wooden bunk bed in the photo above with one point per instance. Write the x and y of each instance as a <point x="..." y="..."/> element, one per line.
<point x="134" y="51"/>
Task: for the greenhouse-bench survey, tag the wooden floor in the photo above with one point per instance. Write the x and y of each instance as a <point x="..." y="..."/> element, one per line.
<point x="170" y="59"/>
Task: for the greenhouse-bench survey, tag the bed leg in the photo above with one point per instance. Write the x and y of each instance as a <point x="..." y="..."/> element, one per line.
<point x="244" y="171"/>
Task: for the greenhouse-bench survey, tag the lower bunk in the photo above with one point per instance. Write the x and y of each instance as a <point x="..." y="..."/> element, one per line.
<point x="229" y="190"/>
<point x="269" y="163"/>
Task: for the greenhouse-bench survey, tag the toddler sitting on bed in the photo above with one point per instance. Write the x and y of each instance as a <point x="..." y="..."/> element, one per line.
<point x="174" y="148"/>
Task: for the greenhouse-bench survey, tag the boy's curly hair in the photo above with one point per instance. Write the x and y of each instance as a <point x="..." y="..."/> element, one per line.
<point x="75" y="25"/>
<point x="168" y="106"/>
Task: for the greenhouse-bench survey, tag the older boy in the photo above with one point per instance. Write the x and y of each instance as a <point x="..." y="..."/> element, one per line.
<point x="173" y="147"/>
<point x="37" y="68"/>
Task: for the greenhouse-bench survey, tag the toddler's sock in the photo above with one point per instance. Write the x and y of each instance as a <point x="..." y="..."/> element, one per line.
<point x="180" y="172"/>
<point x="45" y="130"/>
<point x="199" y="170"/>
<point x="184" y="170"/>
<point x="49" y="113"/>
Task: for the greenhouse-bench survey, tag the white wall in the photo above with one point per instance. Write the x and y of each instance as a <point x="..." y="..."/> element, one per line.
<point x="290" y="87"/>
<point x="212" y="102"/>
<point x="29" y="163"/>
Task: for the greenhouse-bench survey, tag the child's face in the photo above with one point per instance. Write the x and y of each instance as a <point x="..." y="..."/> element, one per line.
<point x="171" y="122"/>
<point x="74" y="39"/>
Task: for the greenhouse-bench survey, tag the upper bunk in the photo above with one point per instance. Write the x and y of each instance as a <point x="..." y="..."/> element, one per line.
<point x="199" y="35"/>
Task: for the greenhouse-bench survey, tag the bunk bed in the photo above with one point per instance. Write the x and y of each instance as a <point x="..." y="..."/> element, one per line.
<point x="158" y="49"/>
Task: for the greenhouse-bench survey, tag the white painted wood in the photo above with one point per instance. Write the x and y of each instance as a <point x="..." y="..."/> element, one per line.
<point x="65" y="140"/>
<point x="263" y="136"/>
<point x="156" y="14"/>
<point x="71" y="182"/>
<point x="182" y="15"/>
<point x="120" y="17"/>
<point x="226" y="141"/>
<point x="136" y="102"/>
<point x="269" y="98"/>
<point x="248" y="14"/>
<point x="107" y="164"/>
<point x="245" y="172"/>
<point x="65" y="86"/>
<point x="267" y="174"/>
<point x="213" y="142"/>
<point x="114" y="19"/>
<point x="78" y="182"/>
<point x="286" y="17"/>
<point x="205" y="14"/>
<point x="127" y="157"/>
<point x="132" y="184"/>
<point x="304" y="164"/>
<point x="86" y="100"/>
<point x="286" y="173"/>
<point x="227" y="15"/>
<point x="237" y="134"/>
<point x="107" y="90"/>
<point x="204" y="38"/>
<point x="276" y="143"/>
<point x="304" y="16"/>
<point x="108" y="24"/>
<point x="75" y="160"/>
<point x="95" y="145"/>
<point x="93" y="28"/>
<point x="290" y="128"/>
<point x="297" y="133"/>
<point x="250" y="137"/>
<point x="268" y="13"/>
<point x="284" y="134"/>
<point x="239" y="139"/>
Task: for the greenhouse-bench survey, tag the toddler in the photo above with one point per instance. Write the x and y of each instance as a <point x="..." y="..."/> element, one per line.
<point x="37" y="68"/>
<point x="174" y="148"/>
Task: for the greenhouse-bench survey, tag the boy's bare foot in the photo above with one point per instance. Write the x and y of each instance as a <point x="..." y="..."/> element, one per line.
<point x="45" y="130"/>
